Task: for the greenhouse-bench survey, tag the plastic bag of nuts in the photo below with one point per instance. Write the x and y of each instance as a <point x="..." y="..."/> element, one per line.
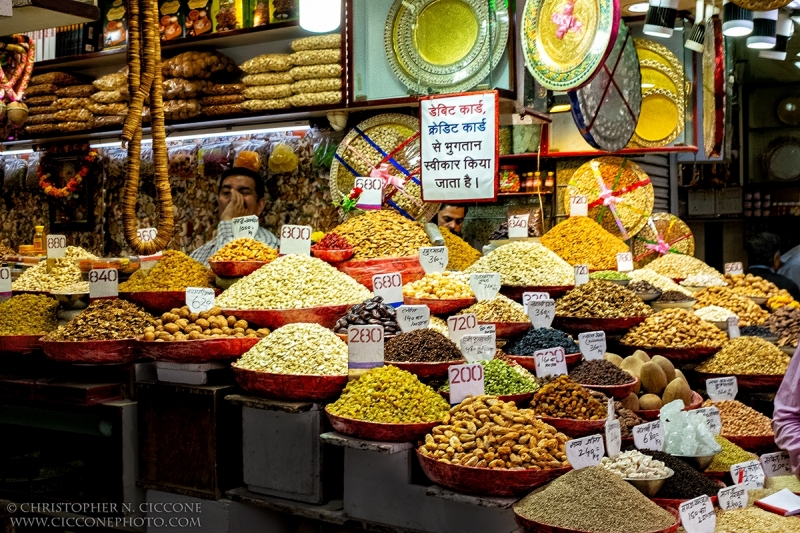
<point x="222" y="100"/>
<point x="317" y="85"/>
<point x="75" y="91"/>
<point x="200" y="65"/>
<point x="44" y="100"/>
<point x="58" y="78"/>
<point x="70" y="103"/>
<point x="267" y="63"/>
<point x="36" y="120"/>
<point x="219" y="110"/>
<point x="38" y="90"/>
<point x="316" y="57"/>
<point x="120" y="108"/>
<point x="309" y="72"/>
<point x="109" y="120"/>
<point x="73" y="115"/>
<point x="109" y="82"/>
<point x="38" y="129"/>
<point x="323" y="98"/>
<point x="41" y="110"/>
<point x="267" y="78"/>
<point x="111" y="97"/>
<point x="216" y="89"/>
<point x="183" y="161"/>
<point x="176" y="88"/>
<point x="268" y="92"/>
<point x="75" y="126"/>
<point x="318" y="42"/>
<point x="266" y="105"/>
<point x="181" y="109"/>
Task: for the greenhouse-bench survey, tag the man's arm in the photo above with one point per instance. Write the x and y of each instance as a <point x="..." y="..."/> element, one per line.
<point x="267" y="238"/>
<point x="786" y="417"/>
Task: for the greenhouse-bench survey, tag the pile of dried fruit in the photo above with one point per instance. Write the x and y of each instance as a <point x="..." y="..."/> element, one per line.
<point x="782" y="300"/>
<point x="563" y="398"/>
<point x="174" y="272"/>
<point x="245" y="249"/>
<point x="536" y="339"/>
<point x="750" y="285"/>
<point x="526" y="264"/>
<point x="332" y="241"/>
<point x="64" y="272"/>
<point x="634" y="464"/>
<point x="459" y="253"/>
<point x="740" y="420"/>
<point x="582" y="241"/>
<point x="714" y="313"/>
<point x="372" y="311"/>
<point x="421" y="346"/>
<point x="28" y="314"/>
<point x="679" y="266"/>
<point x="601" y="299"/>
<point x="657" y="280"/>
<point x="105" y="320"/>
<point x="498" y="309"/>
<point x="298" y="349"/>
<point x="446" y="285"/>
<point x="704" y="280"/>
<point x="674" y="328"/>
<point x="785" y="322"/>
<point x="183" y="325"/>
<point x="599" y="372"/>
<point x="749" y="313"/>
<point x="747" y="355"/>
<point x="382" y="233"/>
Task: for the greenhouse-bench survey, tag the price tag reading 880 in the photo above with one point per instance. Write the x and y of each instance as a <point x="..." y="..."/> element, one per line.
<point x="365" y="346"/>
<point x="199" y="299"/>
<point x="460" y="325"/>
<point x="550" y="362"/>
<point x="649" y="436"/>
<point x="56" y="246"/>
<point x="295" y="240"/>
<point x="518" y="226"/>
<point x="584" y="452"/>
<point x="465" y="380"/>
<point x="5" y="282"/>
<point x="389" y="287"/>
<point x="697" y="515"/>
<point x="103" y="283"/>
<point x="581" y="275"/>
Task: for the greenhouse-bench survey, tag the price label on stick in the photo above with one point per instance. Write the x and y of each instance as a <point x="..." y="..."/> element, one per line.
<point x="712" y="417"/>
<point x="199" y="299"/>
<point x="148" y="234"/>
<point x="776" y="464"/>
<point x="103" y="283"/>
<point x="749" y="473"/>
<point x="411" y="317"/>
<point x="722" y="388"/>
<point x="613" y="437"/>
<point x="245" y="227"/>
<point x="578" y="205"/>
<point x="389" y="287"/>
<point x="734" y="497"/>
<point x="518" y="226"/>
<point x="433" y="258"/>
<point x="365" y="346"/>
<point x="295" y="239"/>
<point x="485" y="286"/>
<point x="528" y="297"/>
<point x="586" y="451"/>
<point x="581" y="275"/>
<point x="734" y="269"/>
<point x="488" y="329"/>
<point x="649" y="436"/>
<point x="541" y="313"/>
<point x="5" y="283"/>
<point x="624" y="262"/>
<point x="371" y="193"/>
<point x="697" y="515"/>
<point x="478" y="347"/>
<point x="550" y="362"/>
<point x="149" y="261"/>
<point x="56" y="246"/>
<point x="592" y="344"/>
<point x="733" y="327"/>
<point x="460" y="325"/>
<point x="465" y="380"/>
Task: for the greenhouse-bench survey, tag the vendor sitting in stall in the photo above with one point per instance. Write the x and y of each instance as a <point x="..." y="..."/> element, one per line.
<point x="241" y="193"/>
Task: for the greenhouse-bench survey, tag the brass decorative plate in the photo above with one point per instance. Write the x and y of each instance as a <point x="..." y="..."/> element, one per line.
<point x="762" y="5"/>
<point x="664" y="233"/>
<point x="713" y="88"/>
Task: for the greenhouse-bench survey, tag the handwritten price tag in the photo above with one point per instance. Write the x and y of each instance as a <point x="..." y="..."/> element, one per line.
<point x="550" y="362"/>
<point x="295" y="239"/>
<point x="733" y="327"/>
<point x="460" y="325"/>
<point x="749" y="474"/>
<point x="624" y="262"/>
<point x="713" y="419"/>
<point x="722" y="388"/>
<point x="697" y="515"/>
<point x="478" y="347"/>
<point x="371" y="193"/>
<point x="365" y="346"/>
<point x="147" y="234"/>
<point x="411" y="317"/>
<point x="776" y="464"/>
<point x="465" y="380"/>
<point x="649" y="436"/>
<point x="528" y="297"/>
<point x="578" y="205"/>
<point x="613" y="438"/>
<point x="518" y="226"/>
<point x="485" y="286"/>
<point x="5" y="283"/>
<point x="734" y="269"/>
<point x="433" y="258"/>
<point x="734" y="497"/>
<point x="487" y="329"/>
<point x="56" y="246"/>
<point x="104" y="283"/>
<point x="592" y="345"/>
<point x="199" y="299"/>
<point x="389" y="287"/>
<point x="581" y="275"/>
<point x="245" y="227"/>
<point x="585" y="452"/>
<point x="541" y="313"/>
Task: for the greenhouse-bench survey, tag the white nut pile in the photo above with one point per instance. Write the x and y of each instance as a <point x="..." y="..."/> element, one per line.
<point x="704" y="280"/>
<point x="527" y="264"/>
<point x="657" y="280"/>
<point x="635" y="465"/>
<point x="298" y="349"/>
<point x="714" y="313"/>
<point x="293" y="282"/>
<point x="63" y="273"/>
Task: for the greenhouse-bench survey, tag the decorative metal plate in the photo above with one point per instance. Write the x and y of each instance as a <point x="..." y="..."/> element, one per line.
<point x="782" y="159"/>
<point x="565" y="42"/>
<point x="762" y="5"/>
<point x="664" y="233"/>
<point x="713" y="88"/>
<point x="606" y="110"/>
<point x="657" y="75"/>
<point x="661" y="119"/>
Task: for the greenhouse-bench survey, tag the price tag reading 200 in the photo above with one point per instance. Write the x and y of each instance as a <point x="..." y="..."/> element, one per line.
<point x="465" y="380"/>
<point x="389" y="287"/>
<point x="295" y="240"/>
<point x="199" y="299"/>
<point x="103" y="283"/>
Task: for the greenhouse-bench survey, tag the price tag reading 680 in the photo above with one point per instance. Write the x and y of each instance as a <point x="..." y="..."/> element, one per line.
<point x="103" y="283"/>
<point x="389" y="287"/>
<point x="295" y="239"/>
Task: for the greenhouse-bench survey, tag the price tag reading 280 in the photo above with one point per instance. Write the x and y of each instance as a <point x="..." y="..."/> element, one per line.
<point x="465" y="380"/>
<point x="56" y="246"/>
<point x="103" y="283"/>
<point x="365" y="346"/>
<point x="199" y="299"/>
<point x="550" y="362"/>
<point x="460" y="325"/>
<point x="389" y="287"/>
<point x="295" y="239"/>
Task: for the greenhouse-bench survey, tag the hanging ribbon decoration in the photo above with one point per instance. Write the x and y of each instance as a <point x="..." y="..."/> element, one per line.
<point x="607" y="198"/>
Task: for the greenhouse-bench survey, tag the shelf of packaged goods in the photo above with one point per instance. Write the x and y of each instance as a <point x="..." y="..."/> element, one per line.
<point x="33" y="15"/>
<point x="625" y="151"/>
<point x="534" y="193"/>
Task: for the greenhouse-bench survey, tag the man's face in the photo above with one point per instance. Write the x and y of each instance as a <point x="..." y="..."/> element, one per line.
<point x="452" y="218"/>
<point x="244" y="186"/>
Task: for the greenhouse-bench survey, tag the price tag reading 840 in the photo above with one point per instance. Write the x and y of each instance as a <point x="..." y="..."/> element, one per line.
<point x="465" y="380"/>
<point x="199" y="299"/>
<point x="528" y="297"/>
<point x="697" y="515"/>
<point x="245" y="227"/>
<point x="103" y="283"/>
<point x="749" y="473"/>
<point x="147" y="234"/>
<point x="613" y="438"/>
<point x="734" y="497"/>
<point x="411" y="317"/>
<point x="581" y="275"/>
<point x="295" y="240"/>
<point x="433" y="258"/>
<point x="478" y="347"/>
<point x="389" y="287"/>
<point x="485" y="286"/>
<point x="460" y="325"/>
<point x="649" y="436"/>
<point x="550" y="362"/>
<point x="56" y="246"/>
<point x="586" y="451"/>
<point x="541" y="313"/>
<point x="722" y="388"/>
<point x="733" y="327"/>
<point x="5" y="282"/>
<point x="578" y="205"/>
<point x="624" y="262"/>
<point x="776" y="464"/>
<point x="371" y="193"/>
<point x="518" y="226"/>
<point x="365" y="346"/>
<point x="713" y="419"/>
<point x="592" y="344"/>
<point x="734" y="269"/>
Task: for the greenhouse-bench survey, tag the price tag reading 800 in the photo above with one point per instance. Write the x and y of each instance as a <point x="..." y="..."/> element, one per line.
<point x="295" y="239"/>
<point x="460" y="325"/>
<point x="103" y="283"/>
<point x="389" y="287"/>
<point x="518" y="226"/>
<point x="199" y="299"/>
<point x="5" y="282"/>
<point x="550" y="362"/>
<point x="147" y="234"/>
<point x="56" y="246"/>
<point x="465" y="380"/>
<point x="581" y="275"/>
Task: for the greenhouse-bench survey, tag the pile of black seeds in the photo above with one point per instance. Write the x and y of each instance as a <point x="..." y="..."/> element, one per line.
<point x="372" y="311"/>
<point x="757" y="331"/>
<point x="541" y="339"/>
<point x="686" y="483"/>
<point x="599" y="372"/>
<point x="421" y="346"/>
<point x="674" y="296"/>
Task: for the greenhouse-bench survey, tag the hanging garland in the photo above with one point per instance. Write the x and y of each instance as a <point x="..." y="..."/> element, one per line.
<point x="74" y="183"/>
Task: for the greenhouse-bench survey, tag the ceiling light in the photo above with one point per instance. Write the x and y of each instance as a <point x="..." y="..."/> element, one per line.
<point x="320" y="16"/>
<point x="697" y="35"/>
<point x="660" y="20"/>
<point x="737" y="21"/>
<point x="765" y="25"/>
<point x="784" y="31"/>
<point x="641" y="7"/>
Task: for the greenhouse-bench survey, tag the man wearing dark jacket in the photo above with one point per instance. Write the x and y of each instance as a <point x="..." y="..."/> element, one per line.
<point x="763" y="252"/>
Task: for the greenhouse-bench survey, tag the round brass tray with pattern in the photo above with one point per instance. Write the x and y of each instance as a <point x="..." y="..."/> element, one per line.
<point x="656" y="74"/>
<point x="664" y="233"/>
<point x="391" y="139"/>
<point x="713" y="88"/>
<point x="620" y="194"/>
<point x="762" y="5"/>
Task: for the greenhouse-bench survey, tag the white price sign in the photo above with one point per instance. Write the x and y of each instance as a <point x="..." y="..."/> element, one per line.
<point x="581" y="275"/>
<point x="624" y="262"/>
<point x="149" y="261"/>
<point x="776" y="464"/>
<point x="199" y="299"/>
<point x="460" y="325"/>
<point x="649" y="436"/>
<point x="104" y="283"/>
<point x="578" y="205"/>
<point x="541" y="313"/>
<point x="749" y="474"/>
<point x="722" y="388"/>
<point x="528" y="297"/>
<point x="411" y="317"/>
<point x="295" y="239"/>
<point x="478" y="347"/>
<point x="734" y="497"/>
<point x="586" y="451"/>
<point x="433" y="258"/>
<point x="488" y="329"/>
<point x="465" y="380"/>
<point x="734" y="269"/>
<point x="733" y="327"/>
<point x="245" y="227"/>
<point x="613" y="437"/>
<point x="550" y="362"/>
<point x="56" y="246"/>
<point x="371" y="193"/>
<point x="592" y="344"/>
<point x="518" y="226"/>
<point x="389" y="287"/>
<point x="5" y="282"/>
<point x="713" y="419"/>
<point x="697" y="515"/>
<point x="365" y="346"/>
<point x="485" y="286"/>
<point x="147" y="234"/>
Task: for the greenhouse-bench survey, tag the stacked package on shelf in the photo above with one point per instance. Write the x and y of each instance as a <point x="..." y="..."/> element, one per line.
<point x="268" y="83"/>
<point x="57" y="102"/>
<point x="186" y="77"/>
<point x="110" y="103"/>
<point x="222" y="99"/>
<point x="317" y="71"/>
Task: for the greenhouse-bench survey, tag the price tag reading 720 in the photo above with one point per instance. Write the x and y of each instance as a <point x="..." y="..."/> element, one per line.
<point x="581" y="275"/>
<point x="578" y="205"/>
<point x="649" y="436"/>
<point x="550" y="362"/>
<point x="460" y="325"/>
<point x="103" y="283"/>
<point x="389" y="287"/>
<point x="541" y="313"/>
<point x="697" y="515"/>
<point x="587" y="451"/>
<point x="465" y="380"/>
<point x="199" y="299"/>
<point x="295" y="239"/>
<point x="56" y="246"/>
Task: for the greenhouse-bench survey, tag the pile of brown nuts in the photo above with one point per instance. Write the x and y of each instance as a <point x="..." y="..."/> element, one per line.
<point x="674" y="328"/>
<point x="182" y="325"/>
<point x="601" y="299"/>
<point x="105" y="320"/>
<point x="372" y="311"/>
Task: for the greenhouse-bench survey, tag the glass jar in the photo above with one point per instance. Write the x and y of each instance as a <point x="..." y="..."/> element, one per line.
<point x="550" y="181"/>
<point x="38" y="240"/>
<point x="509" y="179"/>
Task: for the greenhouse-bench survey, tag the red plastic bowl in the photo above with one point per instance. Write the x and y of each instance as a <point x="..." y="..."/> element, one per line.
<point x="670" y="502"/>
<point x="518" y="399"/>
<point x="652" y="414"/>
<point x="515" y="292"/>
<point x="677" y="355"/>
<point x="575" y="428"/>
<point x="197" y="351"/>
<point x="486" y="481"/>
<point x="759" y="443"/>
<point x="20" y="344"/>
<point x="441" y="307"/>
<point x="235" y="269"/>
<point x="91" y="352"/>
<point x="325" y="315"/>
<point x="426" y="370"/>
<point x="609" y="325"/>
<point x="747" y="382"/>
<point x="617" y="391"/>
<point x="361" y="429"/>
<point x="158" y="302"/>
<point x="289" y="387"/>
<point x="509" y="330"/>
<point x="528" y="363"/>
<point x="539" y="527"/>
<point x="332" y="256"/>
